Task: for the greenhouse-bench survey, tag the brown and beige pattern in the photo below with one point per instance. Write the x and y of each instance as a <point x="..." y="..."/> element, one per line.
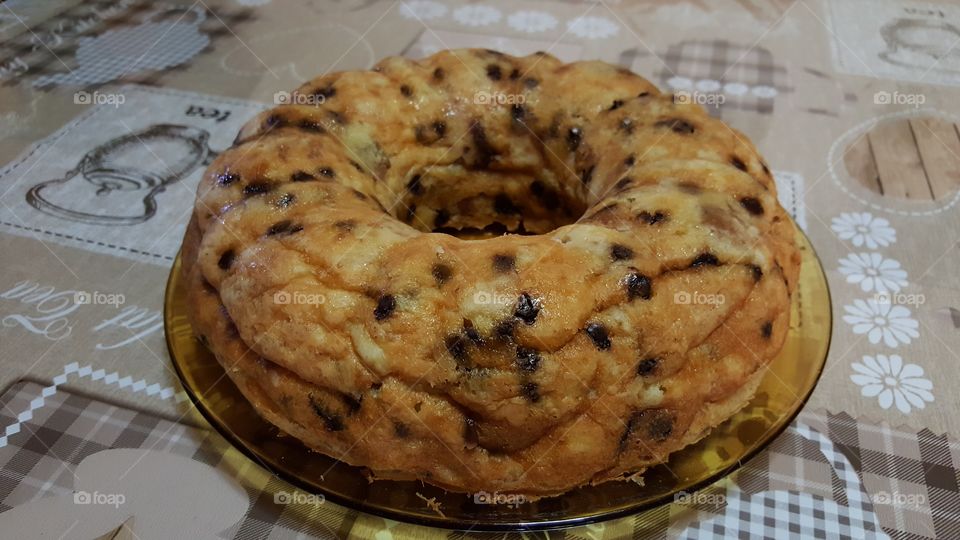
<point x="850" y="67"/>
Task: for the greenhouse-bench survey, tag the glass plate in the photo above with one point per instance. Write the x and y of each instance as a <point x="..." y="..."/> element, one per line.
<point x="782" y="393"/>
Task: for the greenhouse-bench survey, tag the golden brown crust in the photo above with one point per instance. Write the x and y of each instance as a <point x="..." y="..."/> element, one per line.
<point x="527" y="364"/>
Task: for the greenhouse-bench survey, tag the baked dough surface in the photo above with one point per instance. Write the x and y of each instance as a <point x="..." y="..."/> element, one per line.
<point x="639" y="310"/>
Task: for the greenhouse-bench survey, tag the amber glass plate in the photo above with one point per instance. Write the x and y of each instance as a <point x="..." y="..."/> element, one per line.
<point x="782" y="393"/>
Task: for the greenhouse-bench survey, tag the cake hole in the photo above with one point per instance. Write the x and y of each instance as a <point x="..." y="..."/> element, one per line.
<point x="486" y="207"/>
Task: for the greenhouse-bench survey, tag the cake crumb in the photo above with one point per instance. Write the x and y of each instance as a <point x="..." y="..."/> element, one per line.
<point x="432" y="504"/>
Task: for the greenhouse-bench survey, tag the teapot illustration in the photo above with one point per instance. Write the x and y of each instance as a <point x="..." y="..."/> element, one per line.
<point x="921" y="44"/>
<point x="123" y="176"/>
<point x="132" y="49"/>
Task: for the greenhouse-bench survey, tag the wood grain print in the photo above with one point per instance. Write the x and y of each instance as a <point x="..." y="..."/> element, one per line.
<point x="910" y="158"/>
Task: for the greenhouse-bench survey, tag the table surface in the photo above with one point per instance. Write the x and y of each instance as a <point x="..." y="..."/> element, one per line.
<point x="852" y="103"/>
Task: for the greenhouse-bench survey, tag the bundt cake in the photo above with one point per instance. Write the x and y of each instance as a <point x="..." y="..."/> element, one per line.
<point x="491" y="273"/>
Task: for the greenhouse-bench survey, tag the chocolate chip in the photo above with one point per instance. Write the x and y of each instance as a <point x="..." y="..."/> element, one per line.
<point x="530" y="82"/>
<point x="406" y="90"/>
<point x="617" y="103"/>
<point x="256" y="188"/>
<point x="678" y="125"/>
<point x="385" y="306"/>
<point x="284" y="227"/>
<point x="527" y="308"/>
<point x="531" y="391"/>
<point x="441" y="218"/>
<point x="547" y="196"/>
<point x="574" y="136"/>
<point x="326" y="92"/>
<point x="620" y="252"/>
<point x="472" y="333"/>
<point x="630" y="161"/>
<point x="738" y="163"/>
<point x="494" y="73"/>
<point x="439" y="74"/>
<point x="485" y="151"/>
<point x="767" y="330"/>
<point x="331" y="421"/>
<point x="660" y="427"/>
<point x="517" y="112"/>
<point x="441" y="273"/>
<point x="757" y="272"/>
<point x="345" y="225"/>
<point x="327" y="172"/>
<point x="401" y="430"/>
<point x="528" y="360"/>
<point x="626" y="125"/>
<point x="272" y="121"/>
<point x="647" y="366"/>
<point x="704" y="259"/>
<point x="652" y="219"/>
<point x="470" y="435"/>
<point x="504" y="329"/>
<point x="440" y="128"/>
<point x="638" y="286"/>
<point x="503" y="205"/>
<point x="352" y="402"/>
<point x="302" y="176"/>
<point x="587" y="174"/>
<point x="752" y="205"/>
<point x="657" y="425"/>
<point x="227" y="178"/>
<point x="311" y="125"/>
<point x="415" y="185"/>
<point x="598" y="333"/>
<point x="623" y="183"/>
<point x="504" y="263"/>
<point x="514" y="74"/>
<point x="457" y="347"/>
<point x="226" y="259"/>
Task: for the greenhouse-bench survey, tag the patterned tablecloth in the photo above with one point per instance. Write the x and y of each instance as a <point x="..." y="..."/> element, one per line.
<point x="853" y="103"/>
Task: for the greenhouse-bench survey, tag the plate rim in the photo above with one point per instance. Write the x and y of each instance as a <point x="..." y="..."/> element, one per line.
<point x="442" y="522"/>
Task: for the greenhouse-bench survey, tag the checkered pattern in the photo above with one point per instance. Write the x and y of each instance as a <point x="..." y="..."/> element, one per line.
<point x="749" y="65"/>
<point x="41" y="53"/>
<point x="768" y="514"/>
<point x="828" y="476"/>
<point x="67" y="428"/>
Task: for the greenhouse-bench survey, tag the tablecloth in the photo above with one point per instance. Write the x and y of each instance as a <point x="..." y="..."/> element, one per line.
<point x="853" y="104"/>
